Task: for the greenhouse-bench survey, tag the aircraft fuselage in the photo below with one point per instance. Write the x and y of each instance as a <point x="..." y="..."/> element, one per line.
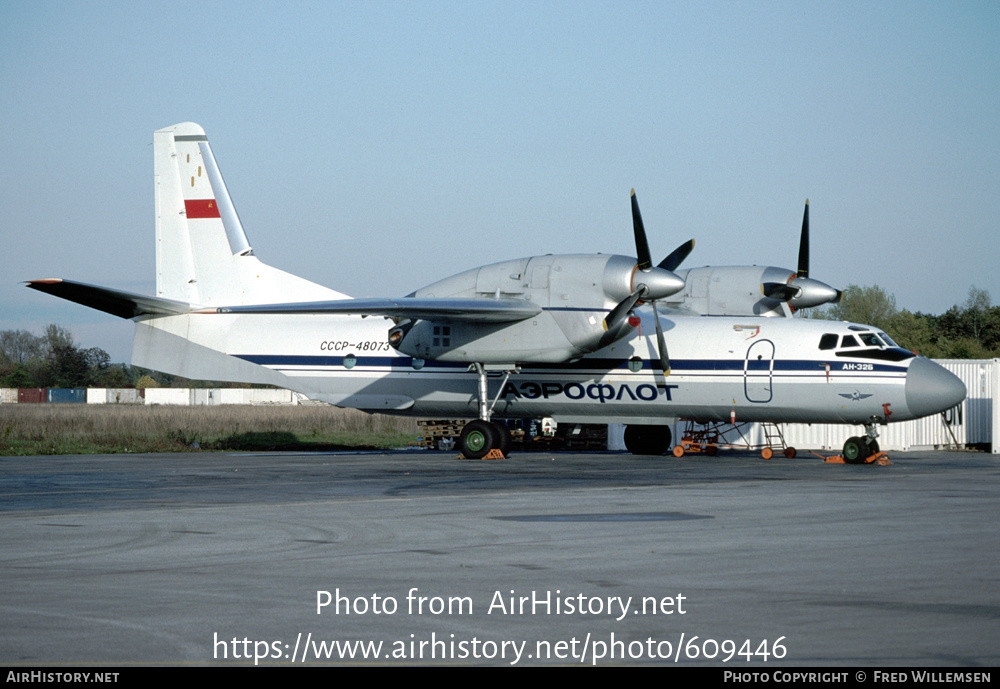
<point x="760" y="369"/>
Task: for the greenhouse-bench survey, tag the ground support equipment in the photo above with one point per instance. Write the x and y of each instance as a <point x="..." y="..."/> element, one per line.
<point x="709" y="438"/>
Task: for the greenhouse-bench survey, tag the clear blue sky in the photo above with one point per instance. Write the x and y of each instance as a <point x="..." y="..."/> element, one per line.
<point x="378" y="146"/>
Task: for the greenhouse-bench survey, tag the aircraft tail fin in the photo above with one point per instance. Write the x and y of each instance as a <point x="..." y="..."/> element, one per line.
<point x="203" y="255"/>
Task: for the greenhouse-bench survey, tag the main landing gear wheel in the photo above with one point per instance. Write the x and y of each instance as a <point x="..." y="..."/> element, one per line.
<point x="502" y="437"/>
<point x="647" y="440"/>
<point x="856" y="450"/>
<point x="478" y="438"/>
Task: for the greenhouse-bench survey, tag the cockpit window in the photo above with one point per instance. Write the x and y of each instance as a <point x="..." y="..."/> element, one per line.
<point x="828" y="341"/>
<point x="865" y="344"/>
<point x="871" y="340"/>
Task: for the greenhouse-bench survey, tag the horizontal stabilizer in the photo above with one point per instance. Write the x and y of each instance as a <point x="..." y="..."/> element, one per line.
<point x="438" y="310"/>
<point x="121" y="304"/>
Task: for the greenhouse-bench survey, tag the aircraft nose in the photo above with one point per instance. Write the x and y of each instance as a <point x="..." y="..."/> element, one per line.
<point x="931" y="388"/>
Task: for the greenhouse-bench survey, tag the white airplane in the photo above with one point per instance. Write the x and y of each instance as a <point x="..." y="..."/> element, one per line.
<point x="555" y="335"/>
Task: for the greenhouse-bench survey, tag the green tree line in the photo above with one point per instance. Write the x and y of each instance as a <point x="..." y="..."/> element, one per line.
<point x="54" y="360"/>
<point x="967" y="331"/>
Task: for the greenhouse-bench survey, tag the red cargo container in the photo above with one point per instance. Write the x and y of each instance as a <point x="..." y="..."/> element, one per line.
<point x="28" y="395"/>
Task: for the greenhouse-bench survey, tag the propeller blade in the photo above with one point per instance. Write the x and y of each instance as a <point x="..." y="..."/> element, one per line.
<point x="804" y="244"/>
<point x="613" y="321"/>
<point x="641" y="245"/>
<point x="618" y="314"/>
<point x="677" y="256"/>
<point x="661" y="343"/>
<point x="779" y="290"/>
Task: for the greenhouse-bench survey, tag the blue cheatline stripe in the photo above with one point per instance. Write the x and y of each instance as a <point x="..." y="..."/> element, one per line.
<point x="310" y="360"/>
<point x="691" y="366"/>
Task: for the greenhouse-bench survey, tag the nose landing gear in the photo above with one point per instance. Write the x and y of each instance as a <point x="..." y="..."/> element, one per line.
<point x="863" y="449"/>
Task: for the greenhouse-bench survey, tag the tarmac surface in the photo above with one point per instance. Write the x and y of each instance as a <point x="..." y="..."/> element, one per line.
<point x="606" y="559"/>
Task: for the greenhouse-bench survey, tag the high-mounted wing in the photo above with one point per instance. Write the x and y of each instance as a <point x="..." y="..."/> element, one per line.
<point x="438" y="310"/>
<point x="115" y="302"/>
<point x="129" y="305"/>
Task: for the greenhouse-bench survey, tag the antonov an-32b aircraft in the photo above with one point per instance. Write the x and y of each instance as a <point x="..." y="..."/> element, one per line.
<point x="557" y="335"/>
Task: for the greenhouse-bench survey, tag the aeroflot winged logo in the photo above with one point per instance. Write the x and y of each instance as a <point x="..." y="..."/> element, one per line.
<point x="854" y="396"/>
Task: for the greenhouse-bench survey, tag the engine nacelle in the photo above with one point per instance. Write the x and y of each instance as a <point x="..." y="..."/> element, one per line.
<point x="745" y="290"/>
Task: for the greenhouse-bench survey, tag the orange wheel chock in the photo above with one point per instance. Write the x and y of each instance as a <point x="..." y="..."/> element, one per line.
<point x="880" y="458"/>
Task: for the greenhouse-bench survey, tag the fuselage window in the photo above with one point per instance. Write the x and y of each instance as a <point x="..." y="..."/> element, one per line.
<point x="442" y="336"/>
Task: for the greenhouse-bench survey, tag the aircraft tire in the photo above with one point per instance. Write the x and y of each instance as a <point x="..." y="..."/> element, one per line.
<point x="647" y="440"/>
<point x="855" y="450"/>
<point x="633" y="436"/>
<point x="477" y="439"/>
<point x="502" y="436"/>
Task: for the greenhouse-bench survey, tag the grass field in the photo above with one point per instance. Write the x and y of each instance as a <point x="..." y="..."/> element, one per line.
<point x="46" y="429"/>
